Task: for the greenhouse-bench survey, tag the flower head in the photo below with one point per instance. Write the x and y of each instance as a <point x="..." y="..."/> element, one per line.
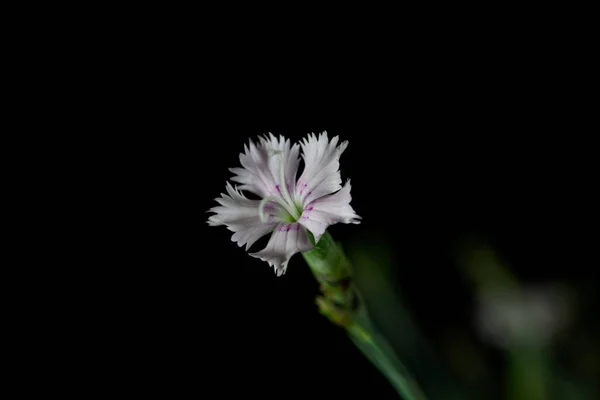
<point x="289" y="207"/>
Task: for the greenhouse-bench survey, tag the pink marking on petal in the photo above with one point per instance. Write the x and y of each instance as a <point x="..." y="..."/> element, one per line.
<point x="278" y="188"/>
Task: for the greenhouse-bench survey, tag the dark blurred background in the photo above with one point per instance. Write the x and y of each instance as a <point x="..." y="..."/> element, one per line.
<point x="464" y="136"/>
<point x="447" y="153"/>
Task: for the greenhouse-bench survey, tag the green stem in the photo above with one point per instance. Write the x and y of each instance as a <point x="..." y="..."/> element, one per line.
<point x="340" y="302"/>
<point x="376" y="349"/>
<point x="528" y="374"/>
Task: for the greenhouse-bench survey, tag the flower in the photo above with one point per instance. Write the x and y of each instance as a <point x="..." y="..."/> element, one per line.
<point x="289" y="207"/>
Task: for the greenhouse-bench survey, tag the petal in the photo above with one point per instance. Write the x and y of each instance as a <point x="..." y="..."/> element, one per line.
<point x="265" y="163"/>
<point x="287" y="240"/>
<point x="321" y="174"/>
<point x="241" y="216"/>
<point x="329" y="210"/>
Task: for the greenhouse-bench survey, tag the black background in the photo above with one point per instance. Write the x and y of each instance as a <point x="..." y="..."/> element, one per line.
<point x="458" y="128"/>
<point x="440" y="149"/>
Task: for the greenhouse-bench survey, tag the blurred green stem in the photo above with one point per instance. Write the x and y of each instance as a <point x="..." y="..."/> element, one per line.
<point x="528" y="374"/>
<point x="528" y="370"/>
<point x="340" y="302"/>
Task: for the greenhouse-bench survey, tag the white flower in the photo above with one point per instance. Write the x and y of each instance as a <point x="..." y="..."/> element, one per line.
<point x="289" y="207"/>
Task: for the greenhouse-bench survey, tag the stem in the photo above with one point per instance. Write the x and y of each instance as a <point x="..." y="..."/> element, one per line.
<point x="528" y="374"/>
<point x="340" y="302"/>
<point x="376" y="349"/>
